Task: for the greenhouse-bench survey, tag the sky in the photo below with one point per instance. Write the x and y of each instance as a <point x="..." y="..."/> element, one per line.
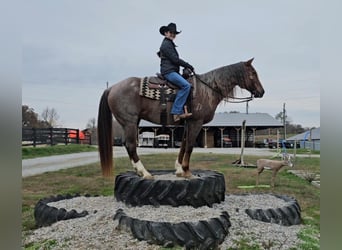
<point x="71" y="49"/>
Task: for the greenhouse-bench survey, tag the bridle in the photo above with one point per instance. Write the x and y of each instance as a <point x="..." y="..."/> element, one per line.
<point x="225" y="98"/>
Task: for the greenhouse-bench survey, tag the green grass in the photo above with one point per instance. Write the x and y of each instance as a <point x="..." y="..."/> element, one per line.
<point x="46" y="245"/>
<point x="88" y="180"/>
<point x="310" y="238"/>
<point x="34" y="152"/>
<point x="300" y="151"/>
<point x="245" y="244"/>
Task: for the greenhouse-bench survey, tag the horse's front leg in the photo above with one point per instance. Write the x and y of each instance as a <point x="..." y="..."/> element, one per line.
<point x="186" y="161"/>
<point x="193" y="130"/>
<point x="178" y="163"/>
<point x="131" y="147"/>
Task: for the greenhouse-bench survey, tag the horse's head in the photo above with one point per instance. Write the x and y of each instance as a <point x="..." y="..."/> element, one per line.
<point x="252" y="83"/>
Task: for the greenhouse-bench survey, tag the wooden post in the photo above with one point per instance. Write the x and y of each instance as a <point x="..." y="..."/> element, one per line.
<point x="238" y="137"/>
<point x="254" y="129"/>
<point x="278" y="149"/>
<point x="205" y="137"/>
<point x="34" y="135"/>
<point x="243" y="129"/>
<point x="51" y="136"/>
<point x="310" y="144"/>
<point x="155" y="142"/>
<point x="221" y="137"/>
<point x="172" y="139"/>
<point x="66" y="136"/>
<point x="77" y="136"/>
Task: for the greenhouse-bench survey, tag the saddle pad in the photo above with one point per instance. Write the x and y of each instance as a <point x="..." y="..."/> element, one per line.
<point x="153" y="94"/>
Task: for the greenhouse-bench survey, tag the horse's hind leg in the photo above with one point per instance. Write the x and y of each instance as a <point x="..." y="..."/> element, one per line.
<point x="131" y="147"/>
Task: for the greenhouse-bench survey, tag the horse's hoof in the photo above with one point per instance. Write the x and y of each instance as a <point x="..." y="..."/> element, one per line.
<point x="187" y="174"/>
<point x="179" y="174"/>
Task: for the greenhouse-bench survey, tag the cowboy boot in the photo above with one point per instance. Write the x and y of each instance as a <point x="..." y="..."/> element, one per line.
<point x="186" y="115"/>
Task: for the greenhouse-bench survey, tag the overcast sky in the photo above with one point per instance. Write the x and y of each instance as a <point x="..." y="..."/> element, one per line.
<point x="72" y="48"/>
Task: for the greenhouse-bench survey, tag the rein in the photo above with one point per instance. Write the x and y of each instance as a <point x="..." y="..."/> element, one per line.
<point x="225" y="98"/>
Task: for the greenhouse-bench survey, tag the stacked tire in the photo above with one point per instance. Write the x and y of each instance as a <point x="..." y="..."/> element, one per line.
<point x="287" y="215"/>
<point x="205" y="189"/>
<point x="46" y="215"/>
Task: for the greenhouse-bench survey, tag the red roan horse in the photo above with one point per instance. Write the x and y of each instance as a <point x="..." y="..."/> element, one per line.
<point x="128" y="107"/>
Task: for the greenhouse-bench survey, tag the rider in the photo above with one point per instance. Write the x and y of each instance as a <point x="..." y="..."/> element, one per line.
<point x="169" y="68"/>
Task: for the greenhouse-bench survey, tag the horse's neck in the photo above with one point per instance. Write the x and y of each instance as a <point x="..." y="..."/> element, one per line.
<point x="222" y="79"/>
<point x="206" y="99"/>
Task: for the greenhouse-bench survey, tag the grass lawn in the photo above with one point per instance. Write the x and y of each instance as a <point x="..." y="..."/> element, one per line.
<point x="88" y="180"/>
<point x="300" y="151"/>
<point x="41" y="151"/>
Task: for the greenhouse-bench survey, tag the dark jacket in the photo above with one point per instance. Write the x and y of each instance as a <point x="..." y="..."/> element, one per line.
<point x="170" y="61"/>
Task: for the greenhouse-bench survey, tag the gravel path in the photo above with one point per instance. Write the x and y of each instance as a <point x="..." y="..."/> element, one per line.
<point x="97" y="230"/>
<point x="40" y="165"/>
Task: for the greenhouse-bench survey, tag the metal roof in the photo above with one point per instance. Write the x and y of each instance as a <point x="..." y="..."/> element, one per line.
<point x="315" y="135"/>
<point x="236" y="119"/>
<point x="260" y="120"/>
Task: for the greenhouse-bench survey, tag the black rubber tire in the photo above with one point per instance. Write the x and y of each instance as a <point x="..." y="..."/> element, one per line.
<point x="46" y="215"/>
<point x="287" y="215"/>
<point x="206" y="190"/>
<point x="202" y="234"/>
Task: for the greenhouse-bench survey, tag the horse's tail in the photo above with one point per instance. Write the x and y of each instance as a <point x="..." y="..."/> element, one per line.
<point x="104" y="135"/>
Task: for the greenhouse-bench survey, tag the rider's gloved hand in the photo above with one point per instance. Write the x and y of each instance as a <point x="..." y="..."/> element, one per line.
<point x="189" y="66"/>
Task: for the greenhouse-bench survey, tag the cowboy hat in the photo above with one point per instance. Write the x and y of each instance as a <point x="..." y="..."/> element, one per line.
<point x="170" y="27"/>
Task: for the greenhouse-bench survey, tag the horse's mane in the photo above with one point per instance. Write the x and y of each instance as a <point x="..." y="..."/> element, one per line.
<point x="225" y="78"/>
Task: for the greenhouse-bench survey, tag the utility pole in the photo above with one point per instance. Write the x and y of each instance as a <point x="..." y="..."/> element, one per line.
<point x="107" y="84"/>
<point x="247" y="107"/>
<point x="284" y="120"/>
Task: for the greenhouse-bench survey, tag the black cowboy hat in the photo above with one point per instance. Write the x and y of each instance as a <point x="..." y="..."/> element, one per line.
<point x="171" y="27"/>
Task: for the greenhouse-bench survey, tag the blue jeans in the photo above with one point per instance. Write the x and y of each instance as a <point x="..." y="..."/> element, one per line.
<point x="182" y="94"/>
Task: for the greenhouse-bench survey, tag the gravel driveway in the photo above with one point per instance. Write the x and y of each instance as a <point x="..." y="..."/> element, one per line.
<point x="41" y="165"/>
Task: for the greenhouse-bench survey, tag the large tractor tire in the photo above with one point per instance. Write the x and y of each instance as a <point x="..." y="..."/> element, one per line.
<point x="204" y="189"/>
<point x="46" y="215"/>
<point x="288" y="215"/>
<point x="203" y="234"/>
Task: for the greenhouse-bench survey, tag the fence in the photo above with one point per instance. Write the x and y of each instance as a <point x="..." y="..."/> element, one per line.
<point x="313" y="145"/>
<point x="53" y="136"/>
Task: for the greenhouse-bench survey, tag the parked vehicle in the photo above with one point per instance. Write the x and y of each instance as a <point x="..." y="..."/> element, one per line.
<point x="146" y="139"/>
<point x="162" y="141"/>
<point x="117" y="141"/>
<point x="281" y="144"/>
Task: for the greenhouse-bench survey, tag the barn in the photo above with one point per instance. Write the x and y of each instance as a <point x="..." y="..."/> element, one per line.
<point x="310" y="139"/>
<point x="223" y="131"/>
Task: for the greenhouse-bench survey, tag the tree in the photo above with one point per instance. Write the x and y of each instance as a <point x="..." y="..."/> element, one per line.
<point x="91" y="123"/>
<point x="50" y="116"/>
<point x="280" y="117"/>
<point x="29" y="117"/>
<point x="290" y="128"/>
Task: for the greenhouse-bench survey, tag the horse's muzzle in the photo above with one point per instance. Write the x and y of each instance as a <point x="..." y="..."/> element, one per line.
<point x="258" y="94"/>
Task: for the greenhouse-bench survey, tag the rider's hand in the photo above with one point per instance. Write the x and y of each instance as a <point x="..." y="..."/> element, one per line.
<point x="189" y="66"/>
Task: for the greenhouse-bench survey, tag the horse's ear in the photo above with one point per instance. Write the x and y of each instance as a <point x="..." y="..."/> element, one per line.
<point x="249" y="62"/>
